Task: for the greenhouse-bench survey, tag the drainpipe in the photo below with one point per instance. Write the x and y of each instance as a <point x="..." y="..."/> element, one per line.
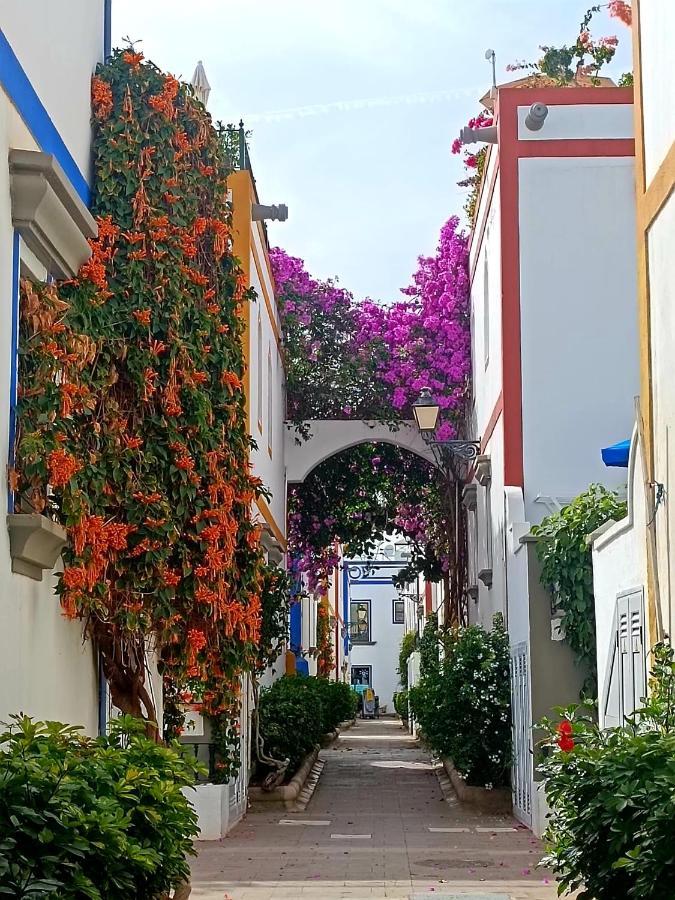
<point x="107" y="29"/>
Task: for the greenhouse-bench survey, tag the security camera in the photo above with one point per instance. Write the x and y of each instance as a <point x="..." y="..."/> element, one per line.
<point x="536" y="116"/>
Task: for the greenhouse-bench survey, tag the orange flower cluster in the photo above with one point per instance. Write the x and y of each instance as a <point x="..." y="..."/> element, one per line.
<point x="165" y="102"/>
<point x="144" y="371"/>
<point x="101" y="98"/>
<point x="132" y="59"/>
<point x="62" y="466"/>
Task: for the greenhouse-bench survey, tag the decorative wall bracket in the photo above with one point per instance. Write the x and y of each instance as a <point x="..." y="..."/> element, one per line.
<point x="48" y="213"/>
<point x="35" y="543"/>
<point x="470" y="496"/>
<point x="483" y="469"/>
<point x="485" y="575"/>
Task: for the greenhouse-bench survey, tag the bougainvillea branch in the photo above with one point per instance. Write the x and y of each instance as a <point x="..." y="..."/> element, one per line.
<point x="132" y="420"/>
<point x="369" y="360"/>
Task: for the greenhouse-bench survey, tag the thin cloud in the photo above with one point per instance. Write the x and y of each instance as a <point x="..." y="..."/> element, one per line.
<point x="321" y="109"/>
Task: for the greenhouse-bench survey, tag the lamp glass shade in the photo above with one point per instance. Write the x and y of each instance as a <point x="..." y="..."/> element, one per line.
<point x="426" y="412"/>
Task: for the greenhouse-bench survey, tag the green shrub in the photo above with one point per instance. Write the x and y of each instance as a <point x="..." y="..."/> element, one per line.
<point x="401" y="704"/>
<point x="612" y="797"/>
<point x="567" y="569"/>
<point x="463" y="704"/>
<point x="339" y="703"/>
<point x="291" y="718"/>
<point x="408" y="647"/>
<point x="99" y="818"/>
<point x="430" y="645"/>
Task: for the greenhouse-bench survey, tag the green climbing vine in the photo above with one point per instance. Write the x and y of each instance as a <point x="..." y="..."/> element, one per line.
<point x="567" y="568"/>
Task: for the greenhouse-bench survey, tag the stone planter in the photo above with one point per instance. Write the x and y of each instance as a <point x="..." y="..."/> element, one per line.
<point x="286" y="793"/>
<point x="211" y="803"/>
<point x="35" y="543"/>
<point x="497" y="801"/>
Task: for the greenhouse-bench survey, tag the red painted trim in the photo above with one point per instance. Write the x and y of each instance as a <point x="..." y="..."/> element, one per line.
<point x="510" y="150"/>
<point x="605" y="147"/>
<point x="492" y="422"/>
<point x="564" y="96"/>
<point x="512" y="394"/>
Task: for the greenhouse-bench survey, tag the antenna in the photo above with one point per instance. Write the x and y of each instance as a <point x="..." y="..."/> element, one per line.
<point x="491" y="56"/>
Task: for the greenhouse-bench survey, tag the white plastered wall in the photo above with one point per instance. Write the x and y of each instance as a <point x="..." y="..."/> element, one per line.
<point x="382" y="652"/>
<point x="619" y="560"/>
<point x="657" y="26"/>
<point x="46" y="670"/>
<point x="578" y="322"/>
<point x="58" y="45"/>
<point x="661" y="244"/>
<point x="487" y="385"/>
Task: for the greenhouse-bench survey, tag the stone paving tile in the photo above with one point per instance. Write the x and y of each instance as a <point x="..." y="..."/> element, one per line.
<point x="377" y="780"/>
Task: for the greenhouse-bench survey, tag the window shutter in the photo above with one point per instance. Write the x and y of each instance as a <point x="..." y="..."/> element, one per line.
<point x="626" y="678"/>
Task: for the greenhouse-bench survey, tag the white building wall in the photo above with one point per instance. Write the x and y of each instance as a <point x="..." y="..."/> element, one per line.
<point x="385" y="637"/>
<point x="657" y="21"/>
<point x="486" y="350"/>
<point x="46" y="670"/>
<point x="578" y="320"/>
<point x="59" y="45"/>
<point x="657" y="26"/>
<point x="619" y="562"/>
<point x="661" y="261"/>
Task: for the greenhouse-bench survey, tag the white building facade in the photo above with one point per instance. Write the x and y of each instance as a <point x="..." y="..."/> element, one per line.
<point x="378" y="616"/>
<point x="47" y="669"/>
<point x="633" y="560"/>
<point x="553" y="280"/>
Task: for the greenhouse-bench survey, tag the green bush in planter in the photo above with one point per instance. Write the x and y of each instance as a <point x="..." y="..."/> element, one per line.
<point x="291" y="718"/>
<point x="339" y="702"/>
<point x="612" y="797"/>
<point x="101" y="818"/>
<point x="401" y="704"/>
<point x="463" y="704"/>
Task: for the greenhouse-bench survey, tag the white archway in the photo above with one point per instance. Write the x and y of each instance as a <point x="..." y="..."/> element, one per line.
<point x="331" y="436"/>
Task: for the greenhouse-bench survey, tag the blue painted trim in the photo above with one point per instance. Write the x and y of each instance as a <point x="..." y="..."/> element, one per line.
<point x="296" y="626"/>
<point x="13" y="359"/>
<point x="377" y="563"/>
<point x="371" y="581"/>
<point x="23" y="96"/>
<point x="107" y="29"/>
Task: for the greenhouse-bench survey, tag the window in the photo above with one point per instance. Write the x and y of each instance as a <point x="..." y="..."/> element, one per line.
<point x="362" y="675"/>
<point x="398" y="612"/>
<point x="259" y="366"/>
<point x="270" y="400"/>
<point x="359" y="621"/>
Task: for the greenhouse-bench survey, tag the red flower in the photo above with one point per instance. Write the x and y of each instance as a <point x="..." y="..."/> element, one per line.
<point x="565" y="740"/>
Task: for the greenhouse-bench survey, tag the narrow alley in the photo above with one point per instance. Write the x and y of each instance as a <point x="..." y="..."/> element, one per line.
<point x="378" y="825"/>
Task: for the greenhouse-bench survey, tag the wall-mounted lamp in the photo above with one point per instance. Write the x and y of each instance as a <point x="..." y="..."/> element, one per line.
<point x="536" y="116"/>
<point x="277" y="213"/>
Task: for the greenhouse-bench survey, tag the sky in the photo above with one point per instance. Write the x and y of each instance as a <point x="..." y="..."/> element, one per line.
<point x="352" y="107"/>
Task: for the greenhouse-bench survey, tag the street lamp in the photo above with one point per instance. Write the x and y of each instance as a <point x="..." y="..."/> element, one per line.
<point x="426" y="411"/>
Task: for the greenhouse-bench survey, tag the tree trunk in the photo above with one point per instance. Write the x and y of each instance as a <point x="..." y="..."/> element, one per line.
<point x="124" y="667"/>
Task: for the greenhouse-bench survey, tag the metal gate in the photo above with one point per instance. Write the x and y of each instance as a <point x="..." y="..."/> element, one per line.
<point x="521" y="775"/>
<point x="238" y="787"/>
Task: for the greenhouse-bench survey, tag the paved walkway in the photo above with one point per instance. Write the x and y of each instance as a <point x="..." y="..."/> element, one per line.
<point x="378" y="826"/>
